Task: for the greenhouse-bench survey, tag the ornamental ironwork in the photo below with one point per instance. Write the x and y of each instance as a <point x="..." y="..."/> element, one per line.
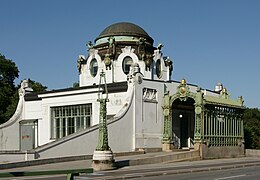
<point x="218" y="119"/>
<point x="103" y="134"/>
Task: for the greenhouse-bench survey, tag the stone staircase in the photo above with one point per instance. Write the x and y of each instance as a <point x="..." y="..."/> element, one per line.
<point x="160" y="157"/>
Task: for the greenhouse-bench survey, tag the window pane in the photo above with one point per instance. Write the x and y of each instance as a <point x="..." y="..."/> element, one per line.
<point x="63" y="133"/>
<point x="88" y="121"/>
<point x="82" y="122"/>
<point x="74" y="111"/>
<point x="93" y="67"/>
<point x="78" y="124"/>
<point x="69" y="119"/>
<point x="70" y="126"/>
<point x="158" y="68"/>
<point x="127" y="62"/>
<point x="57" y="128"/>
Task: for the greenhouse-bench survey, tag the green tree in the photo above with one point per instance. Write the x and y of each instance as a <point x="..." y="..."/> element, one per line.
<point x="8" y="91"/>
<point x="8" y="71"/>
<point x="8" y="95"/>
<point x="36" y="86"/>
<point x="251" y="119"/>
<point x="75" y="85"/>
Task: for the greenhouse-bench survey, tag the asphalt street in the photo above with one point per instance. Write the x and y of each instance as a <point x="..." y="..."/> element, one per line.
<point x="206" y="169"/>
<point x="232" y="168"/>
<point x="252" y="173"/>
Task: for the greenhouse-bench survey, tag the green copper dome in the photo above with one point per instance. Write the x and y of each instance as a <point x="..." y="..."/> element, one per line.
<point x="124" y="29"/>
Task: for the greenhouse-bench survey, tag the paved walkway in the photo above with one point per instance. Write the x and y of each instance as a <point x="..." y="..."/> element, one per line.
<point x="79" y="164"/>
<point x="150" y="169"/>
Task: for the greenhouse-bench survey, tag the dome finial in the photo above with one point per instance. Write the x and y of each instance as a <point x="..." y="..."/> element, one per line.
<point x="183" y="81"/>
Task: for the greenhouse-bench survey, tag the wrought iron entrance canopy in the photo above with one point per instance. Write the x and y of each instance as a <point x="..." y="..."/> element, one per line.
<point x="218" y="119"/>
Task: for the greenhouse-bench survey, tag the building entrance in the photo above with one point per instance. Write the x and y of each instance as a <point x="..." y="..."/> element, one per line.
<point x="183" y="118"/>
<point x="28" y="134"/>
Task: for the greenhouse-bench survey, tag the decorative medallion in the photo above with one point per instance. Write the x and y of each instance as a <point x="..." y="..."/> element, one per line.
<point x="183" y="90"/>
<point x="198" y="110"/>
<point x="107" y="61"/>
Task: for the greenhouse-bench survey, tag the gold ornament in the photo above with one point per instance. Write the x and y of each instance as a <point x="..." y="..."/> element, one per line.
<point x="183" y="82"/>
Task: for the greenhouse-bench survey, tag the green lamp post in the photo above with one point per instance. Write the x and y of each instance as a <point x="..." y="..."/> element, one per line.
<point x="103" y="158"/>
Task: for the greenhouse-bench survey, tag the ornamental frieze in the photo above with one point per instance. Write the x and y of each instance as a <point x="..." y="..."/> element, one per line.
<point x="149" y="95"/>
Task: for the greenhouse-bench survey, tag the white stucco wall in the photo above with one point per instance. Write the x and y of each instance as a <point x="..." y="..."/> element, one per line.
<point x="10" y="130"/>
<point x="138" y="121"/>
<point x="116" y="74"/>
<point x="148" y="114"/>
<point x="120" y="134"/>
<point x="41" y="109"/>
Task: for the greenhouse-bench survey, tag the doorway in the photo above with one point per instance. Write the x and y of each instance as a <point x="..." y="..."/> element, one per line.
<point x="28" y="134"/>
<point x="183" y="118"/>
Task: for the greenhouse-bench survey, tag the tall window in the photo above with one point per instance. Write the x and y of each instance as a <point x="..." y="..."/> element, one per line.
<point x="93" y="67"/>
<point x="158" y="68"/>
<point x="127" y="62"/>
<point x="66" y="120"/>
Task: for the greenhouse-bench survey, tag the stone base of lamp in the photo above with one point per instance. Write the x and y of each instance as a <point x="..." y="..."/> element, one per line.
<point x="167" y="147"/>
<point x="103" y="160"/>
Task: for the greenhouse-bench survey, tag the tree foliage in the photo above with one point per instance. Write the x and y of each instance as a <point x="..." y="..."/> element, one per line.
<point x="75" y="85"/>
<point x="251" y="119"/>
<point x="8" y="91"/>
<point x="8" y="71"/>
<point x="36" y="86"/>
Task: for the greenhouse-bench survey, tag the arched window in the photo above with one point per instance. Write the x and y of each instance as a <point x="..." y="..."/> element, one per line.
<point x="158" y="69"/>
<point x="127" y="62"/>
<point x="93" y="67"/>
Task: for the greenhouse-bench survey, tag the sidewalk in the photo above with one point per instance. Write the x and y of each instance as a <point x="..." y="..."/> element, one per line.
<point x="121" y="161"/>
<point x="163" y="169"/>
<point x="152" y="164"/>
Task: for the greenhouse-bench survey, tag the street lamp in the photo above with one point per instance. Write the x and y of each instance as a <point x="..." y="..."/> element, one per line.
<point x="103" y="158"/>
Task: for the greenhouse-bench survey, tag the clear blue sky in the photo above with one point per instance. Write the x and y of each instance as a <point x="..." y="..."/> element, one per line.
<point x="208" y="41"/>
